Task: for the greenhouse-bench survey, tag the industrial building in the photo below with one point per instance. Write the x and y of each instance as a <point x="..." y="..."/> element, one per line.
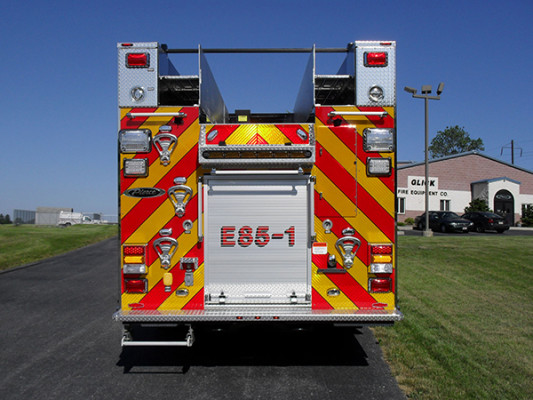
<point x="456" y="180"/>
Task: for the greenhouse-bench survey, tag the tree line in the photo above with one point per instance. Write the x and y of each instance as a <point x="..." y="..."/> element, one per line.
<point x="5" y="219"/>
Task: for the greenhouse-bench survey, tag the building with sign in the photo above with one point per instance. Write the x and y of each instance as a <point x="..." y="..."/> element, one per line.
<point x="455" y="181"/>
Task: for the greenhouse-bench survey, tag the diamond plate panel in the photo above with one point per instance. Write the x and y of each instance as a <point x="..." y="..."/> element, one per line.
<point x="144" y="78"/>
<point x="368" y="77"/>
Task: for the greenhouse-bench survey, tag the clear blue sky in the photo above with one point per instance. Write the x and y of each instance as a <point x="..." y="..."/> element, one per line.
<point x="59" y="76"/>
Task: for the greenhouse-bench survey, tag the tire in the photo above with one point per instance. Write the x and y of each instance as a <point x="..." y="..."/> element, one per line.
<point x="443" y="228"/>
<point x="480" y="229"/>
<point x="419" y="226"/>
<point x="500" y="231"/>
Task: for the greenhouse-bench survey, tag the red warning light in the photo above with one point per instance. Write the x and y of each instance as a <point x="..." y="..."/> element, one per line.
<point x="137" y="60"/>
<point x="376" y="59"/>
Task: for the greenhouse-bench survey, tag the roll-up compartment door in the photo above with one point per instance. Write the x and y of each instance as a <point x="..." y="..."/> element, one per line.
<point x="257" y="239"/>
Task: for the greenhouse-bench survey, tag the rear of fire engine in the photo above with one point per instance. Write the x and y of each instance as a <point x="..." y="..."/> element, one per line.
<point x="249" y="218"/>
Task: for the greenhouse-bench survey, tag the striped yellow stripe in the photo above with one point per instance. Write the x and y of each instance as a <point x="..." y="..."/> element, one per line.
<point x="186" y="142"/>
<point x="321" y="283"/>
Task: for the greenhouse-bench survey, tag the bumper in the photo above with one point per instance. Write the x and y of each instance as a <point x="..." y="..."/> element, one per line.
<point x="240" y="314"/>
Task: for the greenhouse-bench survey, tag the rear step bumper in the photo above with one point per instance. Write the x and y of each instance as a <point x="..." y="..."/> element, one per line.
<point x="236" y="314"/>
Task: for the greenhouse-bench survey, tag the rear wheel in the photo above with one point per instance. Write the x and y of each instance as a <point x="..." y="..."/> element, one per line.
<point x="443" y="228"/>
<point x="480" y="229"/>
<point x="500" y="231"/>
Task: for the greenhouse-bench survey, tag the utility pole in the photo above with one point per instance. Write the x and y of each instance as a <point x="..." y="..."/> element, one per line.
<point x="511" y="145"/>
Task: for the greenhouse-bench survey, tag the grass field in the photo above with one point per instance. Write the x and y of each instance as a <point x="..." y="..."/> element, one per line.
<point x="27" y="243"/>
<point x="468" y="328"/>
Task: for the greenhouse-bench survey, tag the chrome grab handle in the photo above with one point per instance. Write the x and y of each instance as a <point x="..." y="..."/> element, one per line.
<point x="200" y="209"/>
<point x="154" y="114"/>
<point x="179" y="196"/>
<point x="347" y="246"/>
<point x="165" y="143"/>
<point x="165" y="248"/>
<point x="358" y="113"/>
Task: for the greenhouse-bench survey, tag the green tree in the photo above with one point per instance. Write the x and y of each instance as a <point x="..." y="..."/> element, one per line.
<point x="477" y="205"/>
<point x="453" y="140"/>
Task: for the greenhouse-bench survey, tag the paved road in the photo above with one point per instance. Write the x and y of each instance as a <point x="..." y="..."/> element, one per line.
<point x="58" y="341"/>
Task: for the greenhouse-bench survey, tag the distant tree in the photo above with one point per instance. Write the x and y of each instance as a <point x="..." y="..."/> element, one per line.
<point x="477" y="205"/>
<point x="453" y="140"/>
<point x="7" y="219"/>
<point x="1" y="219"/>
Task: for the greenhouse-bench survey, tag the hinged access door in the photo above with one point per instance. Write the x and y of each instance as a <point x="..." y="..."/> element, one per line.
<point x="257" y="239"/>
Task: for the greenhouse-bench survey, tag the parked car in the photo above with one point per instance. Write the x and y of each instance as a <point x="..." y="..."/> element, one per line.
<point x="487" y="221"/>
<point x="443" y="221"/>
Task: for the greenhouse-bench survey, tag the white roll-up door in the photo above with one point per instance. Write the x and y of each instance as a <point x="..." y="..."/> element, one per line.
<point x="257" y="239"/>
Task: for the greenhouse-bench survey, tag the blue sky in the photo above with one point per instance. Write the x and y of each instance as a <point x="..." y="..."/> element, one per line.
<point x="59" y="76"/>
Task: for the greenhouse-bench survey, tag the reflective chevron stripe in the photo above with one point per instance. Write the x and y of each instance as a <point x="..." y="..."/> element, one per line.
<point x="348" y="197"/>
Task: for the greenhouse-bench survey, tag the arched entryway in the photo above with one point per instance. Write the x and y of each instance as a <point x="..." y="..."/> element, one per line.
<point x="504" y="205"/>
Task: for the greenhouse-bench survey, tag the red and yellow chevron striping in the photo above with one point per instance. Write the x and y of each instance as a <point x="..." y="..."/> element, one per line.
<point x="349" y="198"/>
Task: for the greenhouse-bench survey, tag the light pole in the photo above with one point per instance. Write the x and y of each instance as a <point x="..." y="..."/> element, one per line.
<point x="426" y="95"/>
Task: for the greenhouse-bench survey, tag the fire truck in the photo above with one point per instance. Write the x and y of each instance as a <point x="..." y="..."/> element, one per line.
<point x="249" y="218"/>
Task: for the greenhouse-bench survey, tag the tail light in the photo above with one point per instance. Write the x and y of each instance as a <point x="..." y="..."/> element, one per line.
<point x="379" y="285"/>
<point x="133" y="260"/>
<point x="491" y="221"/>
<point x="381" y="259"/>
<point x="136" y="285"/>
<point x="137" y="60"/>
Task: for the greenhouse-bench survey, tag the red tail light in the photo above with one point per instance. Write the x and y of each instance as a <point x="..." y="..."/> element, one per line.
<point x="381" y="249"/>
<point x="137" y="60"/>
<point x="136" y="285"/>
<point x="379" y="285"/>
<point x="133" y="250"/>
<point x="376" y="59"/>
<point x="491" y="220"/>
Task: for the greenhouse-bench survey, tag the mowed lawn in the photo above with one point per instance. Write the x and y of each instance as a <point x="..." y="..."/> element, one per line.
<point x="28" y="243"/>
<point x="468" y="327"/>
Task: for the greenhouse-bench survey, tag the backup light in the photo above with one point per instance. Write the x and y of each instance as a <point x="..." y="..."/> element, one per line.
<point x="135" y="167"/>
<point x="134" y="269"/>
<point x="137" y="60"/>
<point x="381" y="268"/>
<point x="378" y="140"/>
<point x="135" y="140"/>
<point x="378" y="166"/>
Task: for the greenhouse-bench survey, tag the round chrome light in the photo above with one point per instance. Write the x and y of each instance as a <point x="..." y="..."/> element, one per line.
<point x="376" y="93"/>
<point x="137" y="93"/>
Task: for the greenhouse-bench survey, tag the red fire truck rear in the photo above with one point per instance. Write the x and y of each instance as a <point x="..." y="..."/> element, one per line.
<point x="247" y="217"/>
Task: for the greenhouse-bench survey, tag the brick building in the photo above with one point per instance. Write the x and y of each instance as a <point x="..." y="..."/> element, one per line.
<point x="456" y="180"/>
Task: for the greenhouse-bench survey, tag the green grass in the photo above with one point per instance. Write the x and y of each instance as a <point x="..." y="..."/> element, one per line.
<point x="468" y="327"/>
<point x="27" y="243"/>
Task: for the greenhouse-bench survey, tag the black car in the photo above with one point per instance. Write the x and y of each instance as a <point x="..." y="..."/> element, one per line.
<point x="487" y="221"/>
<point x="443" y="221"/>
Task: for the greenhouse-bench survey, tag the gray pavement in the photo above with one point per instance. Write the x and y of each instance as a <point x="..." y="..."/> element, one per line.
<point x="58" y="341"/>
